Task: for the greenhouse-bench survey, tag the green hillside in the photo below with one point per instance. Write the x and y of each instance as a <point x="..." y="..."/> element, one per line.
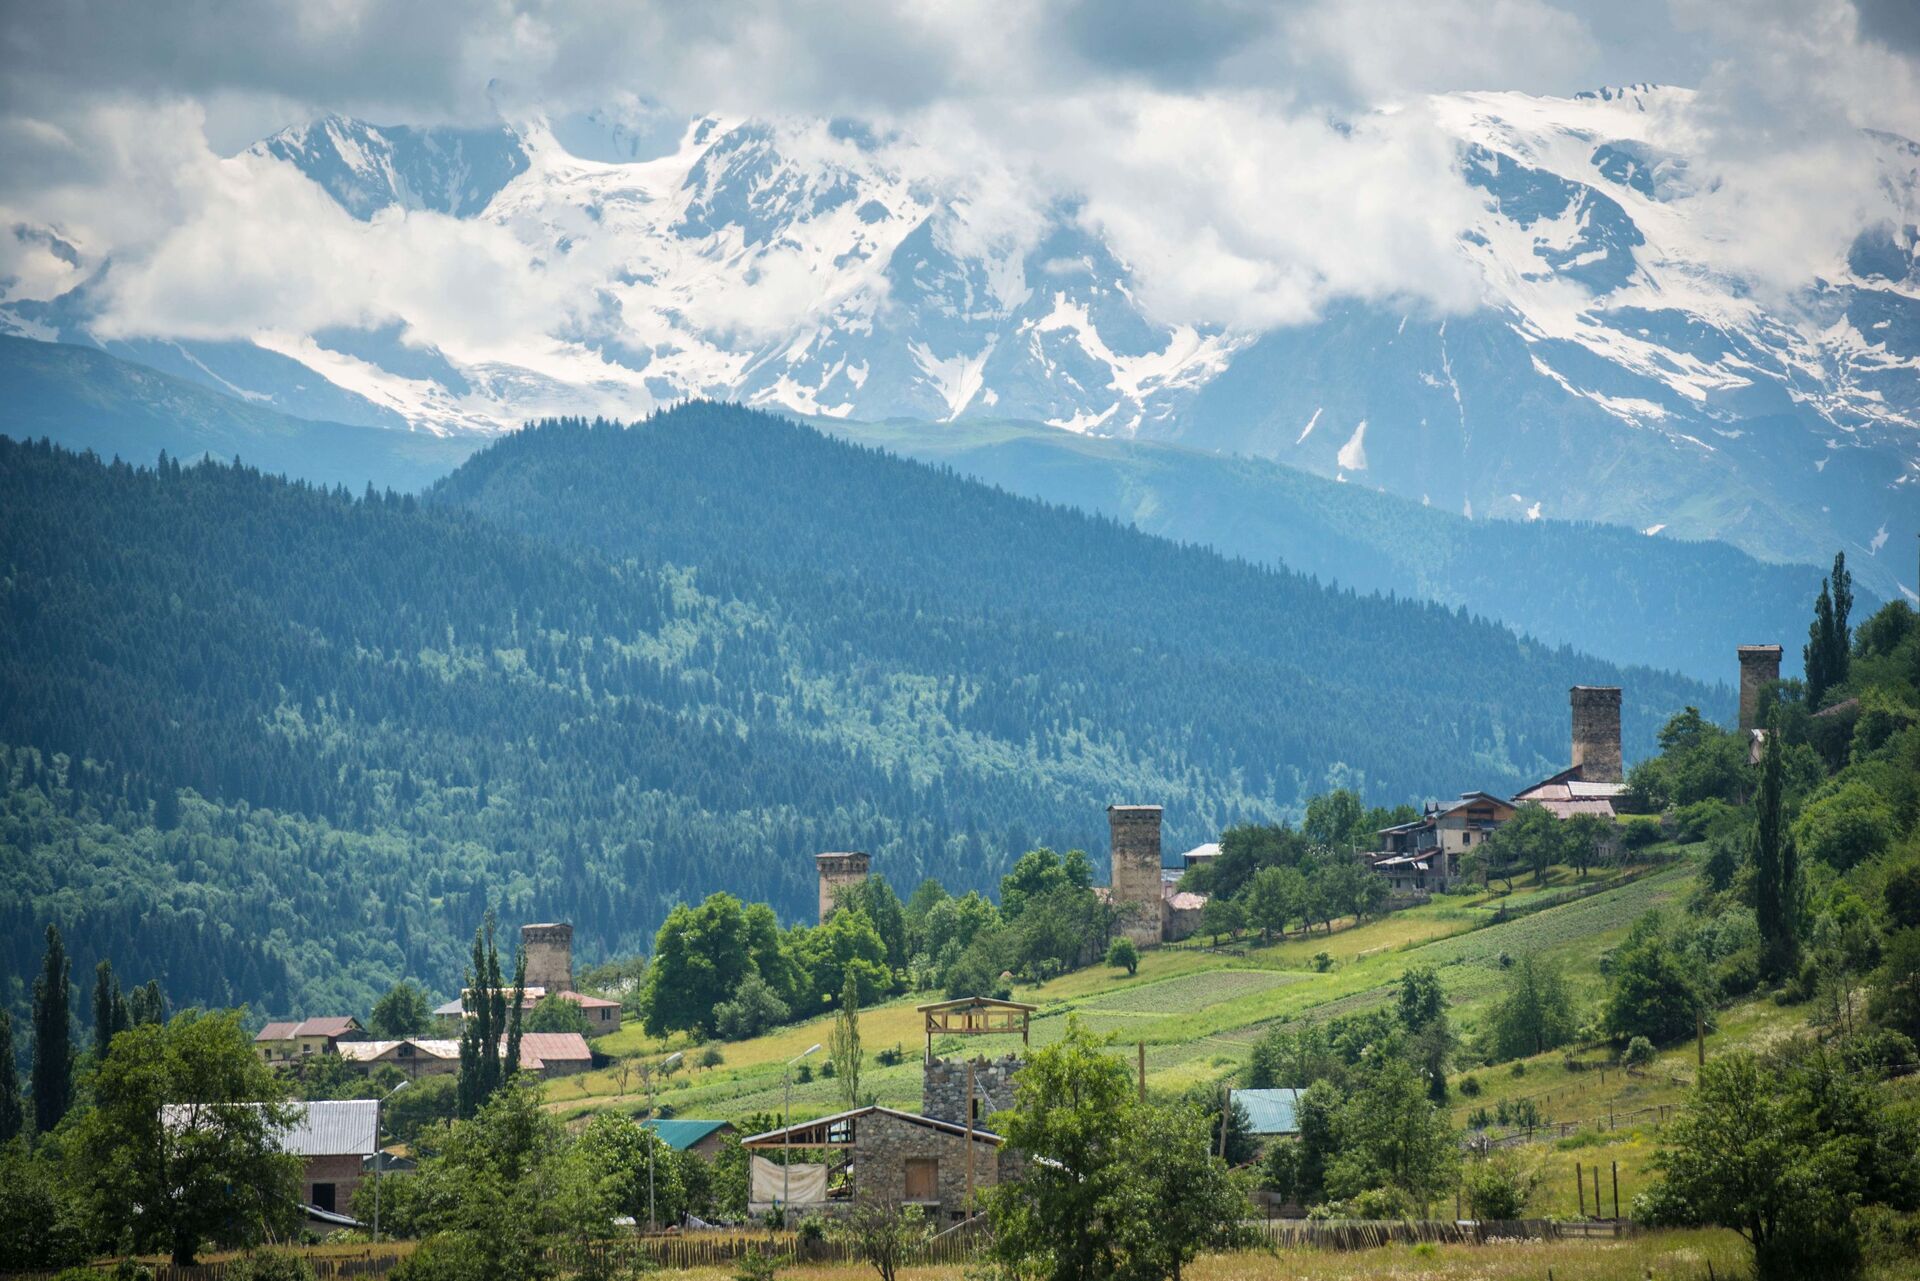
<point x="1602" y="589"/>
<point x="282" y="745"/>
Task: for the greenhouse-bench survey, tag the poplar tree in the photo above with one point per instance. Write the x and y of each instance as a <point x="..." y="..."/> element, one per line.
<point x="1828" y="653"/>
<point x="843" y="1043"/>
<point x="52" y="1039"/>
<point x="110" y="1013"/>
<point x="1775" y="861"/>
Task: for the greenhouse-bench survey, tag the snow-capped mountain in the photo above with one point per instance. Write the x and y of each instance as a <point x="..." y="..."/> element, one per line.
<point x="1614" y="372"/>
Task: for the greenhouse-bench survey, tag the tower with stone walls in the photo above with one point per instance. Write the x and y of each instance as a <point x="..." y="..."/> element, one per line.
<point x="549" y="952"/>
<point x="1759" y="664"/>
<point x="1596" y="733"/>
<point x="1134" y="831"/>
<point x="837" y="870"/>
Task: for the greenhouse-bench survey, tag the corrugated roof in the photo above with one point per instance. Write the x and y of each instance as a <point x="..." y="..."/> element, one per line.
<point x="336" y="1025"/>
<point x="533" y="994"/>
<point x="1270" y="1111"/>
<point x="331" y="1128"/>
<point x="681" y="1133"/>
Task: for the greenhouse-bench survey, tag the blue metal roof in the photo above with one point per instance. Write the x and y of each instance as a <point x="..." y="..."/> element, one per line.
<point x="680" y="1134"/>
<point x="1270" y="1111"/>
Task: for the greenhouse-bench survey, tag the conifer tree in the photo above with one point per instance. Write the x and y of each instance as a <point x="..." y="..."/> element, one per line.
<point x="1775" y="862"/>
<point x="1828" y="653"/>
<point x="110" y="1012"/>
<point x="12" y="1114"/>
<point x="510" y="1058"/>
<point x="52" y="1037"/>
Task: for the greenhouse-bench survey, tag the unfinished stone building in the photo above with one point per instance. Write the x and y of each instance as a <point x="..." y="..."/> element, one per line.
<point x="838" y="870"/>
<point x="1596" y="733"/>
<point x="1759" y="665"/>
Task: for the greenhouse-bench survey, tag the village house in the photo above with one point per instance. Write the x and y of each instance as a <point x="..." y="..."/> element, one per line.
<point x="938" y="1158"/>
<point x="1424" y="856"/>
<point x="548" y="949"/>
<point x="336" y="1141"/>
<point x="546" y="1054"/>
<point x="705" y="1139"/>
<point x="288" y="1042"/>
<point x="603" y="1016"/>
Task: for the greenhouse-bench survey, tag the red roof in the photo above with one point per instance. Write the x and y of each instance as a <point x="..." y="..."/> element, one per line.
<point x="538" y="1048"/>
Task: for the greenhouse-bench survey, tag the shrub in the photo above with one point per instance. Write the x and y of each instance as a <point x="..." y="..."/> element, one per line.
<point x="1499" y="1187"/>
<point x="449" y="1256"/>
<point x="1470" y="1086"/>
<point x="1322" y="962"/>
<point x="711" y="1057"/>
<point x="1123" y="955"/>
<point x="270" y="1265"/>
<point x="1639" y="1054"/>
<point x="892" y="1056"/>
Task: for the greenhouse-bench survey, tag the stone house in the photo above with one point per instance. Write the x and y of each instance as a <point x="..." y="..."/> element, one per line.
<point x="288" y="1041"/>
<point x="879" y="1156"/>
<point x="1424" y="856"/>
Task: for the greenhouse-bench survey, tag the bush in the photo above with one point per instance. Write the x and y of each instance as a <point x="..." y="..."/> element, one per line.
<point x="1639" y="1054"/>
<point x="1499" y="1187"/>
<point x="711" y="1057"/>
<point x="1322" y="962"/>
<point x="270" y="1265"/>
<point x="1470" y="1086"/>
<point x="1638" y="833"/>
<point x="1123" y="955"/>
<point x="449" y="1256"/>
<point x="892" y="1056"/>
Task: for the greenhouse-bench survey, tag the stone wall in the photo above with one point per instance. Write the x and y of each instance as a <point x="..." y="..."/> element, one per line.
<point x="1759" y="664"/>
<point x="943" y="1091"/>
<point x="1134" y="831"/>
<point x="883" y="1144"/>
<point x="836" y="870"/>
<point x="549" y="952"/>
<point x="1596" y="733"/>
<point x="343" y="1172"/>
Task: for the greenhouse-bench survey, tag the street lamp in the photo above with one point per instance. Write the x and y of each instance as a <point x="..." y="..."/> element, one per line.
<point x="377" y="1103"/>
<point x="654" y="1119"/>
<point x="786" y="1146"/>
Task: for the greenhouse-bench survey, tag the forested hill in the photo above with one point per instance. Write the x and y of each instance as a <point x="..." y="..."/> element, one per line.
<point x="601" y="670"/>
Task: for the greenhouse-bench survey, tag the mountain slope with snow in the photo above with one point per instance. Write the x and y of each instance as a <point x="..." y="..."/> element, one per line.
<point x="1621" y="366"/>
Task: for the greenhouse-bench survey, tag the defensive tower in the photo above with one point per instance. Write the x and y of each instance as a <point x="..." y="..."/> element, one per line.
<point x="1596" y="733"/>
<point x="1758" y="665"/>
<point x="1134" y="831"/>
<point x="549" y="952"/>
<point x="836" y="870"/>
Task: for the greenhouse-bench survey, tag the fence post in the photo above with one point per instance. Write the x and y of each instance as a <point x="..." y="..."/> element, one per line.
<point x="1616" y="1192"/>
<point x="1580" y="1187"/>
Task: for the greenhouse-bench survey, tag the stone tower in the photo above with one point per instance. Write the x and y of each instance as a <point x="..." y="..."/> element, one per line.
<point x="1758" y="665"/>
<point x="549" y="953"/>
<point x="837" y="870"/>
<point x="1596" y="733"/>
<point x="1135" y="834"/>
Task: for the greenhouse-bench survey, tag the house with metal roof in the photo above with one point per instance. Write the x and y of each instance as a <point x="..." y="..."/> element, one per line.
<point x="336" y="1139"/>
<point x="686" y="1134"/>
<point x="288" y="1041"/>
<point x="603" y="1016"/>
<point x="1424" y="855"/>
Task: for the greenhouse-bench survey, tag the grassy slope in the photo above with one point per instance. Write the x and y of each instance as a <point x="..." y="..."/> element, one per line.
<point x="1199" y="1012"/>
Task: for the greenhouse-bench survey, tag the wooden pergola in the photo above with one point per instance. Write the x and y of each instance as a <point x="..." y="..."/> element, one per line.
<point x="976" y="1016"/>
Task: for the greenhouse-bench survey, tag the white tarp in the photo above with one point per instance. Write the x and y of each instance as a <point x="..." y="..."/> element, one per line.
<point x="789" y="1184"/>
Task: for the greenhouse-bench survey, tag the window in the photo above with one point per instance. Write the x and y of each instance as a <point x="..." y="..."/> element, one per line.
<point x="605" y="1014"/>
<point x="923" y="1178"/>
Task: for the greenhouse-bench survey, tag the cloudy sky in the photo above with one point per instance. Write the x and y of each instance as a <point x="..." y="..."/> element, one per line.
<point x="1255" y="159"/>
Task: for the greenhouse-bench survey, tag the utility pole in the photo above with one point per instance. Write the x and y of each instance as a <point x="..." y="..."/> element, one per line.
<point x="377" y="1163"/>
<point x="653" y="1120"/>
<point x="786" y="1138"/>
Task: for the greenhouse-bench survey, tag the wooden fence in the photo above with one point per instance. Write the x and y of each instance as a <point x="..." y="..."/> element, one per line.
<point x="1368" y="1234"/>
